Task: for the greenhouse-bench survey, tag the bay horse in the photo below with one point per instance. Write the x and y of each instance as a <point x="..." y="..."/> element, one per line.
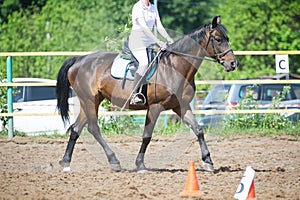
<point x="172" y="86"/>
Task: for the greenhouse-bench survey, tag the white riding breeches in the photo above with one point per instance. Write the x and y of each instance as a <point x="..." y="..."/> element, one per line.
<point x="141" y="55"/>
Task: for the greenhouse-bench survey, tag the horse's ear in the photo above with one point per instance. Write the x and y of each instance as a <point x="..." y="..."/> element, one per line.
<point x="216" y="20"/>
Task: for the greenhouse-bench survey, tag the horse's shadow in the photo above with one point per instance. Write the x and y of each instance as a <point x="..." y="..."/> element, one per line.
<point x="156" y="170"/>
<point x="216" y="171"/>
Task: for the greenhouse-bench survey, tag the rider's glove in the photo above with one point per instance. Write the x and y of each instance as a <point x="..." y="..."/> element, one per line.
<point x="162" y="45"/>
<point x="170" y="40"/>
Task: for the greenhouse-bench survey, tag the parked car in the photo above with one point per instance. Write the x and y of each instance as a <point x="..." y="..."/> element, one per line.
<point x="37" y="99"/>
<point x="228" y="96"/>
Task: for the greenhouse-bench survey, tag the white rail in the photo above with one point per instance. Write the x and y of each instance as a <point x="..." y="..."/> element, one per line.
<point x="117" y="113"/>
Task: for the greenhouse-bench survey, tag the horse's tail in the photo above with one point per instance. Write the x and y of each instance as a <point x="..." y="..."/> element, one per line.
<point x="63" y="89"/>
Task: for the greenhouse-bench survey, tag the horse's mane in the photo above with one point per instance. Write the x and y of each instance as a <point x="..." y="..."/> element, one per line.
<point x="193" y="38"/>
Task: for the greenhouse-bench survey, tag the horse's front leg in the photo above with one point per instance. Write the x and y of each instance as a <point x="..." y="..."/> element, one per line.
<point x="188" y="117"/>
<point x="151" y="118"/>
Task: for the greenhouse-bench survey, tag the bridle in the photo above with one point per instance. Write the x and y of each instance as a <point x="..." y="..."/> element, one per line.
<point x="217" y="56"/>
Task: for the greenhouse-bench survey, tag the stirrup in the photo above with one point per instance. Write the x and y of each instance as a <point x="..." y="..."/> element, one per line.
<point x="138" y="99"/>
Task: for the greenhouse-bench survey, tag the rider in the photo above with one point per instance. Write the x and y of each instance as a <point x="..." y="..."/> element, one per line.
<point x="144" y="17"/>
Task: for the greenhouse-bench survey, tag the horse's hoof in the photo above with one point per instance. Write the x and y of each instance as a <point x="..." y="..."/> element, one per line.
<point x="208" y="167"/>
<point x="66" y="169"/>
<point x="115" y="167"/>
<point x="64" y="164"/>
<point x="141" y="171"/>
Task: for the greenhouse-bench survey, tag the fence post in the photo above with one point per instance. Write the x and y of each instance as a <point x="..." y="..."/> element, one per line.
<point x="9" y="96"/>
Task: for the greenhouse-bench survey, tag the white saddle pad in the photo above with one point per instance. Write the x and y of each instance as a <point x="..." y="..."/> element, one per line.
<point x="119" y="69"/>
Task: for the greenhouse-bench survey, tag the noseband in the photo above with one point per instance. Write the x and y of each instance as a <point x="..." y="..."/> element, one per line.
<point x="211" y="38"/>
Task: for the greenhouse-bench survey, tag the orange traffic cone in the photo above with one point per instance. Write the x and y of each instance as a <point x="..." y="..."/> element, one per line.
<point x="191" y="187"/>
<point x="251" y="194"/>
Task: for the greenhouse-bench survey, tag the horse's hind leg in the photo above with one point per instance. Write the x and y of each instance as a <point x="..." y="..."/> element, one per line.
<point x="188" y="117"/>
<point x="112" y="159"/>
<point x="75" y="130"/>
<point x="94" y="129"/>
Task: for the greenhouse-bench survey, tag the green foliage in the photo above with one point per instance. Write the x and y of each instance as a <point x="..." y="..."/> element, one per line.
<point x="294" y="130"/>
<point x="274" y="121"/>
<point x="3" y="133"/>
<point x="172" y="128"/>
<point x="3" y="100"/>
<point x="59" y="26"/>
<point x="116" y="43"/>
<point x="49" y="25"/>
<point x="262" y="25"/>
<point x="111" y="125"/>
<point x="118" y="125"/>
<point x="185" y="16"/>
<point x="10" y="6"/>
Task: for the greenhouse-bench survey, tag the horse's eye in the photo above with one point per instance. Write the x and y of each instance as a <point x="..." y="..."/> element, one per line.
<point x="218" y="39"/>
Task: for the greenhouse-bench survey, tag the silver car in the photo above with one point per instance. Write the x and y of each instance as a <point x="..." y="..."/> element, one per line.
<point x="228" y="96"/>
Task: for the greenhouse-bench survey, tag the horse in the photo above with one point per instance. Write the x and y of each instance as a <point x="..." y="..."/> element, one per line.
<point x="172" y="87"/>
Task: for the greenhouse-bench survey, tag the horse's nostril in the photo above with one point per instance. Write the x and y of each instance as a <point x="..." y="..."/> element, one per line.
<point x="234" y="64"/>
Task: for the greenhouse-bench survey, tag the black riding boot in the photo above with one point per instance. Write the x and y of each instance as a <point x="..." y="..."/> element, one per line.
<point x="136" y="98"/>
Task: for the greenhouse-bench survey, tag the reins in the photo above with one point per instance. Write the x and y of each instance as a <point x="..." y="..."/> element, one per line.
<point x="192" y="56"/>
<point x="216" y="59"/>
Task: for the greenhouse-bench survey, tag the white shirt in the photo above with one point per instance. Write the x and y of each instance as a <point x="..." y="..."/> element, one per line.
<point x="148" y="13"/>
<point x="137" y="37"/>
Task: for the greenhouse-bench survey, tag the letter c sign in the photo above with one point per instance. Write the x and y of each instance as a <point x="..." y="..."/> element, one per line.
<point x="282" y="64"/>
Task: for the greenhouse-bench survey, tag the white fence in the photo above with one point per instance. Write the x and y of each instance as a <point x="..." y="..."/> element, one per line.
<point x="116" y="113"/>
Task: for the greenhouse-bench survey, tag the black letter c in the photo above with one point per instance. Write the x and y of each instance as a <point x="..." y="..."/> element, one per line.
<point x="280" y="64"/>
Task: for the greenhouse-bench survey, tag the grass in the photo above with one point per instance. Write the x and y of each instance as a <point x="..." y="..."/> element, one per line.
<point x="173" y="128"/>
<point x="293" y="130"/>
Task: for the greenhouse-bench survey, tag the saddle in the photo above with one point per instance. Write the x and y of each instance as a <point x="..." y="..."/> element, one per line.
<point x="127" y="54"/>
<point x="125" y="64"/>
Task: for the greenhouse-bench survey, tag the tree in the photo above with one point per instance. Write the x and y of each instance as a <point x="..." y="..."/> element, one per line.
<point x="10" y="6"/>
<point x="262" y="25"/>
<point x="59" y="26"/>
<point x="50" y="25"/>
<point x="185" y="16"/>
